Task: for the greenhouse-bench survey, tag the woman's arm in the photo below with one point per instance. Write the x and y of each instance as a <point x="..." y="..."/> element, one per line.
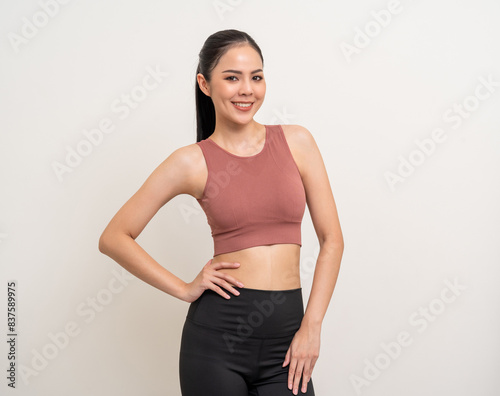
<point x="323" y="210"/>
<point x="304" y="348"/>
<point x="174" y="176"/>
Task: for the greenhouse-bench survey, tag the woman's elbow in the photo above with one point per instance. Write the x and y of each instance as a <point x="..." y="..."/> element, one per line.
<point x="111" y="237"/>
<point x="335" y="240"/>
<point x="104" y="243"/>
<point x="339" y="242"/>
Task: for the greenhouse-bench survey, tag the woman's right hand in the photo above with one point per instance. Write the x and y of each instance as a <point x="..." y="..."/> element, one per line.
<point x="210" y="278"/>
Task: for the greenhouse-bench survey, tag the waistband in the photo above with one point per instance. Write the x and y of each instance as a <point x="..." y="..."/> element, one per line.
<point x="254" y="313"/>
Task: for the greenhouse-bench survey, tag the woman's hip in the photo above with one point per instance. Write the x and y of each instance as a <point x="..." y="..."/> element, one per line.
<point x="254" y="313"/>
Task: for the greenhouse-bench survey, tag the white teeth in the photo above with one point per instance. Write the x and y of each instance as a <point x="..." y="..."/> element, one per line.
<point x="243" y="104"/>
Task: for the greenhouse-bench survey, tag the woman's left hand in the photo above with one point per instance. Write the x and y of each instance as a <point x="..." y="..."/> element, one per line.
<point x="302" y="355"/>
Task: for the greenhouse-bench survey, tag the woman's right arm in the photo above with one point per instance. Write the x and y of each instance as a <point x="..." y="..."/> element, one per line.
<point x="175" y="175"/>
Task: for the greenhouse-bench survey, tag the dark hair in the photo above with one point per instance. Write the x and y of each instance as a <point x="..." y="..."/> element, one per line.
<point x="214" y="48"/>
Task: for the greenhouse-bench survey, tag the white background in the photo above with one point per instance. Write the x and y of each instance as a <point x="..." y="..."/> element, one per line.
<point x="365" y="111"/>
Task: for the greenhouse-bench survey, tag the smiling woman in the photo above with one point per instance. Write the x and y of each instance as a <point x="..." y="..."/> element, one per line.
<point x="246" y="332"/>
<point x="236" y="82"/>
<point x="242" y="105"/>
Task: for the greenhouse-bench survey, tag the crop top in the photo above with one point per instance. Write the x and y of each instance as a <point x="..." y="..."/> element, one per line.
<point x="253" y="200"/>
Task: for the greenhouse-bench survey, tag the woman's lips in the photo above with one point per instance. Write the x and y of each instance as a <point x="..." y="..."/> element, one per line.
<point x="246" y="108"/>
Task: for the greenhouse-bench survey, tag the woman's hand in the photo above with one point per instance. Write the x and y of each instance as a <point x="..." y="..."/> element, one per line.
<point x="210" y="278"/>
<point x="302" y="356"/>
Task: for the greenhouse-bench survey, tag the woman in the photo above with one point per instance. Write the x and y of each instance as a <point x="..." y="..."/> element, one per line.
<point x="245" y="332"/>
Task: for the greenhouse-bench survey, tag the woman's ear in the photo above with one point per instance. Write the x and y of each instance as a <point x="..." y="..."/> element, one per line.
<point x="203" y="84"/>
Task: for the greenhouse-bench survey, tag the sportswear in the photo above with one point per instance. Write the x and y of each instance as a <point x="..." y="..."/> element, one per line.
<point x="253" y="200"/>
<point x="237" y="346"/>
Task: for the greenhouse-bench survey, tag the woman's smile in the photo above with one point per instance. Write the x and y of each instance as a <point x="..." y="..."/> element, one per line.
<point x="243" y="106"/>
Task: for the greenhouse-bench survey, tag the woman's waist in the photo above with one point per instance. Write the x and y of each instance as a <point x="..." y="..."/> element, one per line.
<point x="269" y="267"/>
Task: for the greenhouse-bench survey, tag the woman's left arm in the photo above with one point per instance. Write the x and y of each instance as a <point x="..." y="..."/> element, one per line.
<point x="304" y="348"/>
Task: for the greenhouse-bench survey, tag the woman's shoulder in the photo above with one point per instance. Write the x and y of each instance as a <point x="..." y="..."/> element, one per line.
<point x="186" y="167"/>
<point x="298" y="136"/>
<point x="188" y="156"/>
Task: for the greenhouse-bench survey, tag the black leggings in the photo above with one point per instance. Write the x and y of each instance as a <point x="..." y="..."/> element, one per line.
<point x="236" y="346"/>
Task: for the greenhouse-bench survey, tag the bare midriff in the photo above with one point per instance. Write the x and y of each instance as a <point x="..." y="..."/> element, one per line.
<point x="268" y="267"/>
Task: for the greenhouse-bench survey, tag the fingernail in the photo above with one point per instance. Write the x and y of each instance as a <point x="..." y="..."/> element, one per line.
<point x="241" y="284"/>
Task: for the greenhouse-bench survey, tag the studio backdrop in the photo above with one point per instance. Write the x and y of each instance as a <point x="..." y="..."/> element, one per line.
<point x="402" y="98"/>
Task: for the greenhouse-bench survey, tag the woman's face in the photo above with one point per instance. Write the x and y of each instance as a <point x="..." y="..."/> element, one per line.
<point x="237" y="86"/>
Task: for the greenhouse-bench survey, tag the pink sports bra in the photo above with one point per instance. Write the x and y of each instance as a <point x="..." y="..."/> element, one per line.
<point x="254" y="200"/>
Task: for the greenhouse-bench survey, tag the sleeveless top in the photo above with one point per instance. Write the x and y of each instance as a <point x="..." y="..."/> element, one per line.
<point x="253" y="200"/>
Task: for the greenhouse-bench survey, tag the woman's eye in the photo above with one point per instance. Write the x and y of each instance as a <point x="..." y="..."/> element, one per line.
<point x="230" y="78"/>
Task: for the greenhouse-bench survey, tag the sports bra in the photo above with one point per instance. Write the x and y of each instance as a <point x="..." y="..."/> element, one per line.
<point x="253" y="200"/>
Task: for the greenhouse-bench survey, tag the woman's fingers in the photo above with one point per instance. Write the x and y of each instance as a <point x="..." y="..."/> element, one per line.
<point x="298" y="376"/>
<point x="306" y="375"/>
<point x="223" y="279"/>
<point x="220" y="291"/>
<point x="223" y="283"/>
<point x="230" y="278"/>
<point x="224" y="264"/>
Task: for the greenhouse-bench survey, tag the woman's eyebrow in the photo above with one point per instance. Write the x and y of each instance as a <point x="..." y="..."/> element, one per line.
<point x="239" y="72"/>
